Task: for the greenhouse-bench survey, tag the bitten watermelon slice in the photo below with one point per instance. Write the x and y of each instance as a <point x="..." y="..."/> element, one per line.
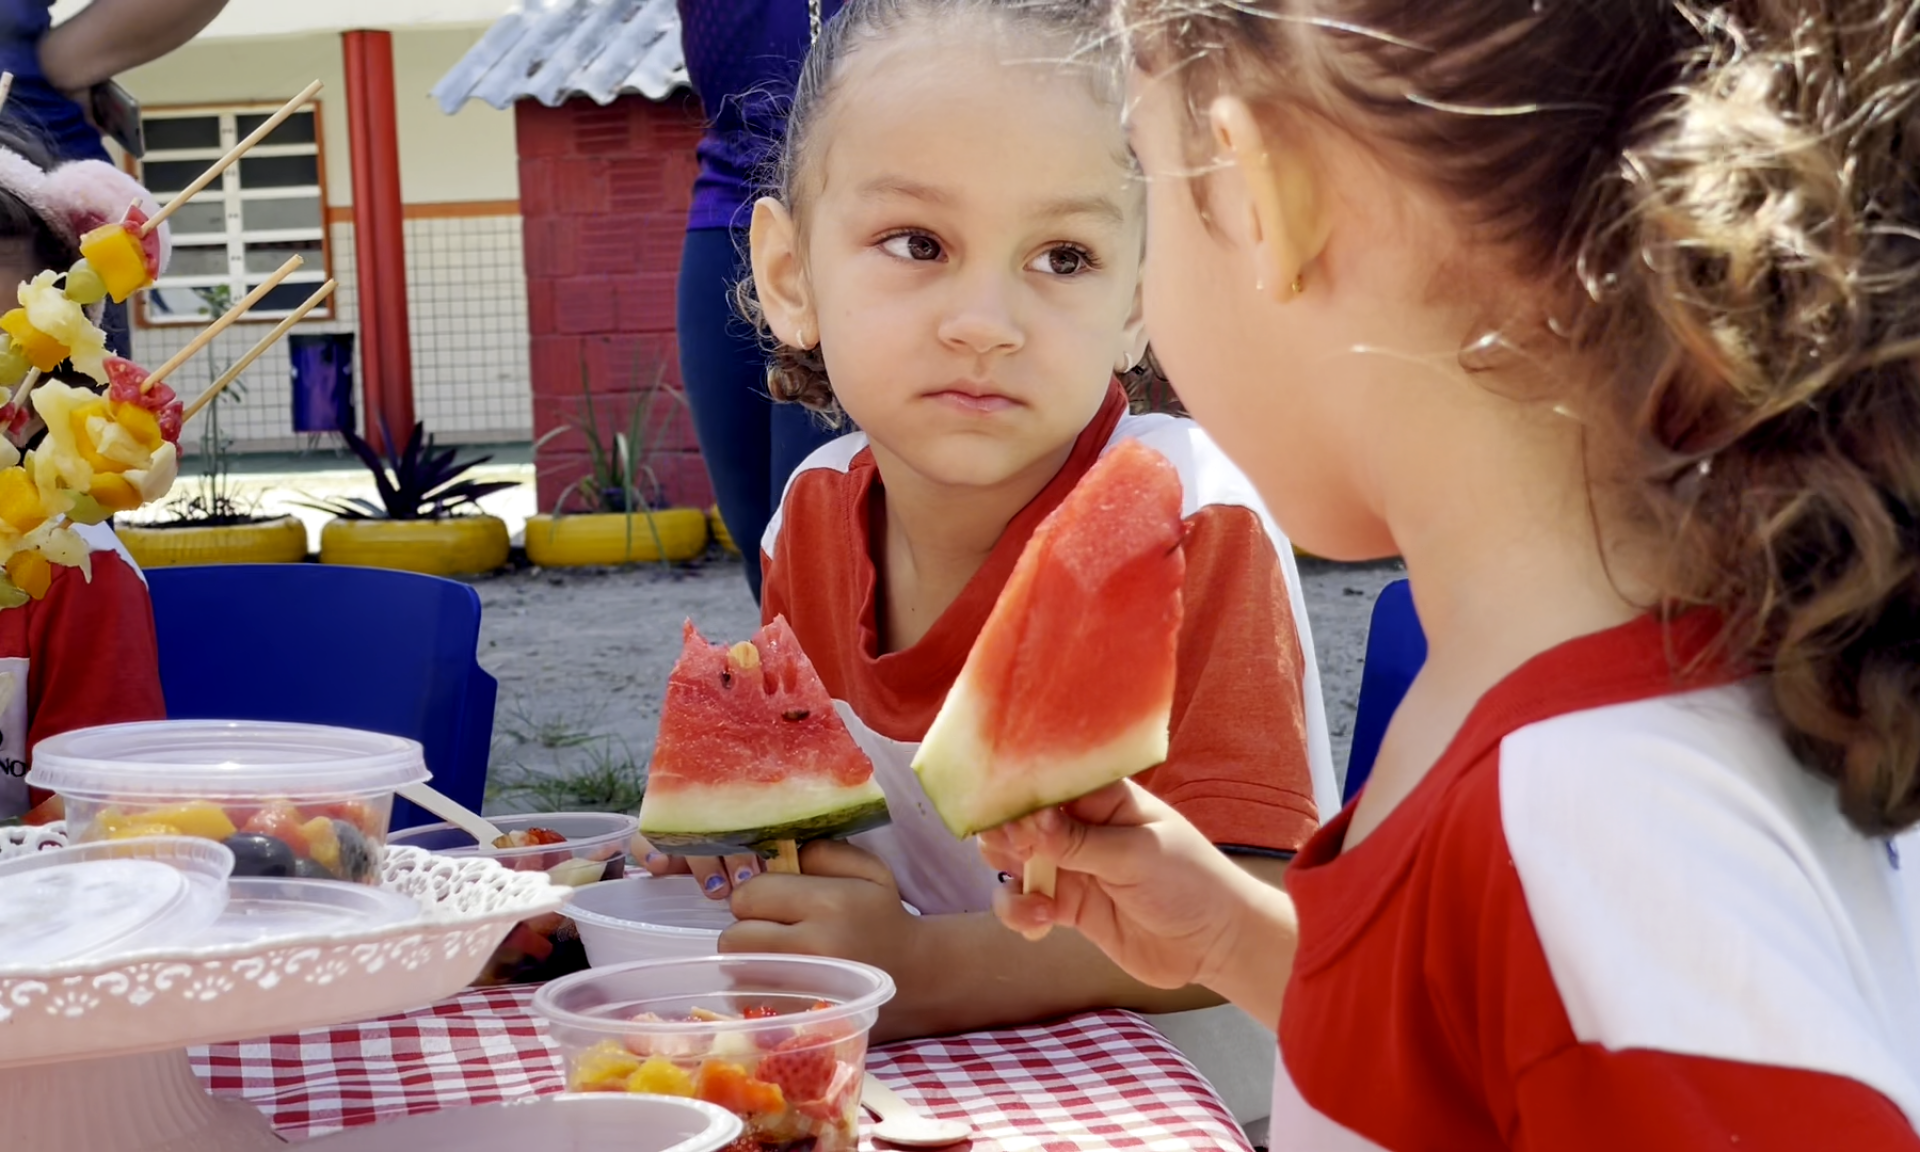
<point x="751" y="753"/>
<point x="1069" y="686"/>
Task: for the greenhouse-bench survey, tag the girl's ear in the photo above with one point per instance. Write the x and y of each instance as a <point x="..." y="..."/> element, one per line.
<point x="1287" y="218"/>
<point x="779" y="278"/>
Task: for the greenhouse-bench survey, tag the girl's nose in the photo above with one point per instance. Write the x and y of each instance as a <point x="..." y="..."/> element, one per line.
<point x="980" y="318"/>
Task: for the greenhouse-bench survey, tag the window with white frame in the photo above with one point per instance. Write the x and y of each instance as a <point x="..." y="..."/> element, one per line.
<point x="236" y="231"/>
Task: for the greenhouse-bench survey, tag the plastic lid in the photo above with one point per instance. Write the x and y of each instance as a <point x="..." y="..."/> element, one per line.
<point x="98" y="899"/>
<point x="262" y="909"/>
<point x="224" y="759"/>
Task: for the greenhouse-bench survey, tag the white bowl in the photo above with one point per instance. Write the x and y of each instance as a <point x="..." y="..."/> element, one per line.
<point x="647" y="918"/>
<point x="567" y="1123"/>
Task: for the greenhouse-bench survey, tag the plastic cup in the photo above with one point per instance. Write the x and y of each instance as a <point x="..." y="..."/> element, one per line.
<point x="647" y="918"/>
<point x="548" y="946"/>
<point x="780" y="1041"/>
<point x="289" y="800"/>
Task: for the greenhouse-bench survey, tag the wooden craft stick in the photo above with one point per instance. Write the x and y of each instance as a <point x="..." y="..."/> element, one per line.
<point x="240" y="365"/>
<point x="233" y="154"/>
<point x="220" y="324"/>
<point x="786" y="858"/>
<point x="21" y="393"/>
<point x="1038" y="878"/>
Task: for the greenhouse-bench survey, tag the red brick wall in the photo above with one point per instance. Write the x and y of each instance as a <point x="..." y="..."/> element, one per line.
<point x="603" y="197"/>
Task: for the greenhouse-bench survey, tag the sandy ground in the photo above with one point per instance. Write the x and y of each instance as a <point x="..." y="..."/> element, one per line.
<point x="582" y="655"/>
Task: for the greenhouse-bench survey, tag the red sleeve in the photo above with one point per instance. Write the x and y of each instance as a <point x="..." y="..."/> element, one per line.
<point x="93" y="658"/>
<point x="1587" y="1099"/>
<point x="1237" y="762"/>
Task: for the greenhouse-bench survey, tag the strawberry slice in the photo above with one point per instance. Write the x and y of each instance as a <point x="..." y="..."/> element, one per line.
<point x="802" y="1067"/>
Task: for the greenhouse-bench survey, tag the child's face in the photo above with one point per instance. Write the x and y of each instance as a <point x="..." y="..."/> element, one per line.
<point x="972" y="250"/>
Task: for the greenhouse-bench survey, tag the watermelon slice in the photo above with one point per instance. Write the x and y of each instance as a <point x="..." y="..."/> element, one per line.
<point x="751" y="753"/>
<point x="1069" y="686"/>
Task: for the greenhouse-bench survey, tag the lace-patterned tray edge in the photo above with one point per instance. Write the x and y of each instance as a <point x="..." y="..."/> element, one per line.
<point x="454" y="893"/>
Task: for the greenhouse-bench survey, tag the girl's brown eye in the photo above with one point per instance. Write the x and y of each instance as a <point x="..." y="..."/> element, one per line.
<point x="923" y="248"/>
<point x="1065" y="261"/>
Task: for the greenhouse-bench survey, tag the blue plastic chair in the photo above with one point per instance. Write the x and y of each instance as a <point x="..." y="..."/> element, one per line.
<point x="362" y="648"/>
<point x="1396" y="648"/>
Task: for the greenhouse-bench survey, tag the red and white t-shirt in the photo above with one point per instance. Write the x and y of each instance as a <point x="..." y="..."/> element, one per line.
<point x="84" y="655"/>
<point x="1249" y="759"/>
<point x="1616" y="914"/>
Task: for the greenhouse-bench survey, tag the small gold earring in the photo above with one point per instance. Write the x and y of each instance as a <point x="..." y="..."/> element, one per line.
<point x="1299" y="284"/>
<point x="800" y="335"/>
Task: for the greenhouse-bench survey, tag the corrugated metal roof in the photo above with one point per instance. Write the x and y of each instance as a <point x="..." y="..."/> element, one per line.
<point x="553" y="50"/>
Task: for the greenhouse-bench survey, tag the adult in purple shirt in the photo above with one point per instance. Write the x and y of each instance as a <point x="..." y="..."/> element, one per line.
<point x="742" y="57"/>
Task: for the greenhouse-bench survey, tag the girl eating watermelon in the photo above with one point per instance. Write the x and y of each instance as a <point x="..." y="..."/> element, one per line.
<point x="1613" y="323"/>
<point x="952" y="261"/>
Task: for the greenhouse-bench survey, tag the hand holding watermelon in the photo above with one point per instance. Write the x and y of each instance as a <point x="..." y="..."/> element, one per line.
<point x="845" y="903"/>
<point x="1143" y="884"/>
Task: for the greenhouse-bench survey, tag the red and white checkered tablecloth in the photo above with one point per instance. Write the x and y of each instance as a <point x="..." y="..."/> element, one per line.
<point x="1104" y="1080"/>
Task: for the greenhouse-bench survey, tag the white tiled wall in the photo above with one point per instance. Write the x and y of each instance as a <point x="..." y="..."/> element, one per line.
<point x="467" y="303"/>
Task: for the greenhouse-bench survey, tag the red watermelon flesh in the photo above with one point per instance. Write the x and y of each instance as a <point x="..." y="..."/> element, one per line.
<point x="751" y="752"/>
<point x="1069" y="685"/>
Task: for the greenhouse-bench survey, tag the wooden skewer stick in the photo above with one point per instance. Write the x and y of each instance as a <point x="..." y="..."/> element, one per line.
<point x="19" y="396"/>
<point x="786" y="858"/>
<point x="220" y="324"/>
<point x="6" y="87"/>
<point x="240" y="365"/>
<point x="1039" y="876"/>
<point x="233" y="154"/>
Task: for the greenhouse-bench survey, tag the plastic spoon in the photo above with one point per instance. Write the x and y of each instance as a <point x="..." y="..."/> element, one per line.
<point x="900" y="1124"/>
<point x="453" y="812"/>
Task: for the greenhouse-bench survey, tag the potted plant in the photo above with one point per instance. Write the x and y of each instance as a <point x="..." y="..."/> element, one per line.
<point x="427" y="518"/>
<point x="624" y="517"/>
<point x="215" y="525"/>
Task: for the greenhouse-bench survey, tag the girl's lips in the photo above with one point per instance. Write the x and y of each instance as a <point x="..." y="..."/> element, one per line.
<point x="976" y="402"/>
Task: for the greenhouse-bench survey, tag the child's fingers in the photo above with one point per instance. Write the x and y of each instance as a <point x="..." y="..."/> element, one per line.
<point x="1029" y="915"/>
<point x="711" y="873"/>
<point x="655" y="861"/>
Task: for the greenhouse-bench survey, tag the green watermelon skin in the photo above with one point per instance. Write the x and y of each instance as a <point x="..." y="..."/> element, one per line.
<point x="1069" y="686"/>
<point x="751" y="752"/>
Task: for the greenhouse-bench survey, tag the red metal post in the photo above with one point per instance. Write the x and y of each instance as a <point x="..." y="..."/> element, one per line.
<point x="379" y="234"/>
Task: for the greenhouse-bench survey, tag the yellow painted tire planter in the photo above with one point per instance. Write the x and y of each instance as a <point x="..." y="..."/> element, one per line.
<point x="721" y="536"/>
<point x="616" y="538"/>
<point x="278" y="541"/>
<point x="459" y="544"/>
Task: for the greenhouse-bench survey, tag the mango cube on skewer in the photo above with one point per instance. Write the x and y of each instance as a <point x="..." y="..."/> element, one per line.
<point x="118" y="254"/>
<point x="41" y="350"/>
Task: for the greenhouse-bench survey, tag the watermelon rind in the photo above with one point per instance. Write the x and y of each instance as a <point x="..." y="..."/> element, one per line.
<point x="975" y="789"/>
<point x="839" y="823"/>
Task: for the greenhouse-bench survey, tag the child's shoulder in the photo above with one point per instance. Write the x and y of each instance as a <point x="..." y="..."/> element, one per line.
<point x="1207" y="476"/>
<point x="816" y="480"/>
<point x="1682" y="873"/>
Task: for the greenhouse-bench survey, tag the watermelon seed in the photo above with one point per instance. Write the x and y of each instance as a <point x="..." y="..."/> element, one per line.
<point x="726" y="678"/>
<point x="796" y="714"/>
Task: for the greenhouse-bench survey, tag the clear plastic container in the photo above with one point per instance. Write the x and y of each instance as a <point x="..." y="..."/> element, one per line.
<point x="779" y="1041"/>
<point x="289" y="800"/>
<point x="97" y="900"/>
<point x="647" y="918"/>
<point x="593" y="848"/>
<point x="262" y="909"/>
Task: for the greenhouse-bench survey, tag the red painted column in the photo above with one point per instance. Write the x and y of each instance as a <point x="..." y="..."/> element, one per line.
<point x="379" y="234"/>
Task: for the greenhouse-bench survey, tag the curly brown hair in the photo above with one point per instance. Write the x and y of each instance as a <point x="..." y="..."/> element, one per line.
<point x="799" y="375"/>
<point x="1721" y="202"/>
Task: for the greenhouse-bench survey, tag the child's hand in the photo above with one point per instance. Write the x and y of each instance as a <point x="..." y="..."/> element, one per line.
<point x="717" y="874"/>
<point x="844" y="904"/>
<point x="1135" y="878"/>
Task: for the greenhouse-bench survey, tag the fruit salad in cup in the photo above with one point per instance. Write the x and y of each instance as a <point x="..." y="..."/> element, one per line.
<point x="289" y="800"/>
<point x="780" y="1041"/>
<point x="307" y="839"/>
<point x="574" y="849"/>
<point x="795" y="1088"/>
